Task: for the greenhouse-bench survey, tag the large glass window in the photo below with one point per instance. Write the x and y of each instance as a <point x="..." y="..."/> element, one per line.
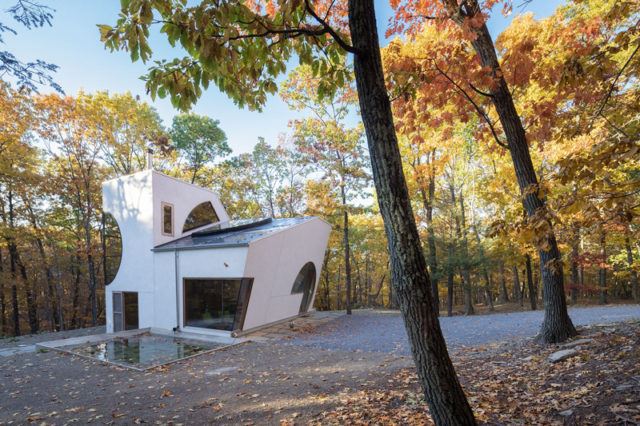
<point x="216" y="303"/>
<point x="305" y="283"/>
<point x="203" y="214"/>
<point x="111" y="247"/>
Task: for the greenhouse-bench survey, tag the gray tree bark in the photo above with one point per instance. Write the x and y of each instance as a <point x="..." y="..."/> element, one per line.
<point x="447" y="402"/>
<point x="557" y="325"/>
<point x="532" y="290"/>
<point x="632" y="272"/>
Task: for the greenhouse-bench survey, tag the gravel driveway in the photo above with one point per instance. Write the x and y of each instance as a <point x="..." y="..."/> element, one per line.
<point x="380" y="331"/>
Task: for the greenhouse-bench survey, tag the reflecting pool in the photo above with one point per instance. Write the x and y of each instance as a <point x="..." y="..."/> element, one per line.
<point x="144" y="350"/>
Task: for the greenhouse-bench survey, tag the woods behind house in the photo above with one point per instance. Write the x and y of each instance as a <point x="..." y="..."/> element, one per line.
<point x="573" y="78"/>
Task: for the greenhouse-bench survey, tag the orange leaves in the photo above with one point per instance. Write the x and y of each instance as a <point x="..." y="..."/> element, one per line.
<point x="427" y="77"/>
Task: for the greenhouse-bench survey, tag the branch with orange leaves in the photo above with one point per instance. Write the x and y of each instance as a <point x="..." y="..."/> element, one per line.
<point x="477" y="107"/>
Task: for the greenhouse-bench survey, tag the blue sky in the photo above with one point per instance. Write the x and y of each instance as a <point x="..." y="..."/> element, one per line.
<point x="73" y="44"/>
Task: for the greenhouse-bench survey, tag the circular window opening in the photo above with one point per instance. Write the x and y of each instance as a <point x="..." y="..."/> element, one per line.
<point x="305" y="283"/>
<point x="111" y="247"/>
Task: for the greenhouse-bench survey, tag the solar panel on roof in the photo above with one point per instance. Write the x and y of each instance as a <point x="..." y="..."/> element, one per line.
<point x="231" y="234"/>
<point x="232" y="225"/>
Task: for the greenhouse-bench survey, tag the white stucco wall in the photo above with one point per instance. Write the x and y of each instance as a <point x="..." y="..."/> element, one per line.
<point x="184" y="197"/>
<point x="164" y="290"/>
<point x="135" y="202"/>
<point x="274" y="262"/>
<point x="129" y="200"/>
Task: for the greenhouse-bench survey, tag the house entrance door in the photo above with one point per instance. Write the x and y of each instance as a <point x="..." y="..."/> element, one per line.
<point x="125" y="310"/>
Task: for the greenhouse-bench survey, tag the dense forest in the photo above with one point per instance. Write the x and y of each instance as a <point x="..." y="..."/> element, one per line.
<point x="573" y="77"/>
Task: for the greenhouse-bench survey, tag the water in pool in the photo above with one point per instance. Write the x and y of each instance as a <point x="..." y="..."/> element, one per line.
<point x="143" y="351"/>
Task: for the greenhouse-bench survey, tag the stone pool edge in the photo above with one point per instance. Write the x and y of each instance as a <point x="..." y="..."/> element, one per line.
<point x="61" y="344"/>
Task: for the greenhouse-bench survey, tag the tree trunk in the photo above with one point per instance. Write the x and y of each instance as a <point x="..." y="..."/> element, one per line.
<point x="30" y="296"/>
<point x="447" y="401"/>
<point x="54" y="319"/>
<point x="91" y="269"/>
<point x="373" y="298"/>
<point x="489" y="292"/>
<point x="632" y="272"/>
<point x="345" y="243"/>
<point x="339" y="288"/>
<point x="428" y="197"/>
<point x="327" y="291"/>
<point x="517" y="293"/>
<point x="75" y="271"/>
<point x="485" y="273"/>
<point x="431" y="239"/>
<point x="60" y="294"/>
<point x="461" y="234"/>
<point x="450" y="288"/>
<point x="15" y="306"/>
<point x="602" y="272"/>
<point x="557" y="325"/>
<point x="530" y="285"/>
<point x="3" y="302"/>
<point x="504" y="295"/>
<point x="13" y="264"/>
<point x="575" y="279"/>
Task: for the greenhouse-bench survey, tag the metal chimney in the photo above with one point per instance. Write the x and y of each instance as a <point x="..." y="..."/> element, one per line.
<point x="149" y="158"/>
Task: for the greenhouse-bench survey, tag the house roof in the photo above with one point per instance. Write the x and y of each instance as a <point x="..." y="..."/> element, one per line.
<point x="231" y="234"/>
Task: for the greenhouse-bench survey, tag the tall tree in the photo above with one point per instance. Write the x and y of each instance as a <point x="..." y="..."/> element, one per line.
<point x="198" y="140"/>
<point x="268" y="165"/>
<point x="330" y="147"/>
<point x="470" y="18"/>
<point x="256" y="44"/>
<point x="128" y="128"/>
<point x="71" y="133"/>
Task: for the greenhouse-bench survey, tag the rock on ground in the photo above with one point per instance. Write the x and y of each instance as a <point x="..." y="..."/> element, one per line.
<point x="562" y="355"/>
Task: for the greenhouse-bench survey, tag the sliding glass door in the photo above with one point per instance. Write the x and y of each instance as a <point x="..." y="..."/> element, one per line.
<point x="218" y="304"/>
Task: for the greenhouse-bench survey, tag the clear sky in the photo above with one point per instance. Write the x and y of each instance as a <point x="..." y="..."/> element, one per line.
<point x="73" y="44"/>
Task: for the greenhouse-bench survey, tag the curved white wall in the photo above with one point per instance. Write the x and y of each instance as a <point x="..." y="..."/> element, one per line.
<point x="135" y="203"/>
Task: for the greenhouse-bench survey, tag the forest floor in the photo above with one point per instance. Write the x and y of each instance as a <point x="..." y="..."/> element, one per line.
<point x="284" y="382"/>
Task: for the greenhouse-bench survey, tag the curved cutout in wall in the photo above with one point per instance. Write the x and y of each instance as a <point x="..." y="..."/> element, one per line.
<point x="305" y="283"/>
<point x="201" y="215"/>
<point x="111" y="247"/>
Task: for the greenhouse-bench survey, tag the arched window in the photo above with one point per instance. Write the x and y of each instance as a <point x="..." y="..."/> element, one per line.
<point x="305" y="283"/>
<point x="203" y="214"/>
<point x="111" y="247"/>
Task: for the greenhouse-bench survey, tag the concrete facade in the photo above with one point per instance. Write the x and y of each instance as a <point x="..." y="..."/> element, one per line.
<point x="155" y="268"/>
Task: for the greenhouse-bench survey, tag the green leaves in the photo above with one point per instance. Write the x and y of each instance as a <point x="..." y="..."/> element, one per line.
<point x="199" y="140"/>
<point x="240" y="49"/>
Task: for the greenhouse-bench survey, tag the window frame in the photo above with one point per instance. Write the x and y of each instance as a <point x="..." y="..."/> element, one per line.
<point x="121" y="313"/>
<point x="196" y="228"/>
<point x="164" y="204"/>
<point x="242" y="303"/>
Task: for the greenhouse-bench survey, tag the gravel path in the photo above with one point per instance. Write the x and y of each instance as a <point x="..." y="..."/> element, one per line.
<point x="380" y="331"/>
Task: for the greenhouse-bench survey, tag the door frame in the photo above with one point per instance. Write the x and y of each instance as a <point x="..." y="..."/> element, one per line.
<point x="122" y="312"/>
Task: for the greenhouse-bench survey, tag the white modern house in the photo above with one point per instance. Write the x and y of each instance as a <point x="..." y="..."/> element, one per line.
<point x="174" y="260"/>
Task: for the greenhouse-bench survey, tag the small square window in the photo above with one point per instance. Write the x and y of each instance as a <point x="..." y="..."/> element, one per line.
<point x="167" y="219"/>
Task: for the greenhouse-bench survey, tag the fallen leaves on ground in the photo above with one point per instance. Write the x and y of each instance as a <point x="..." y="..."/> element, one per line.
<point x="517" y="384"/>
